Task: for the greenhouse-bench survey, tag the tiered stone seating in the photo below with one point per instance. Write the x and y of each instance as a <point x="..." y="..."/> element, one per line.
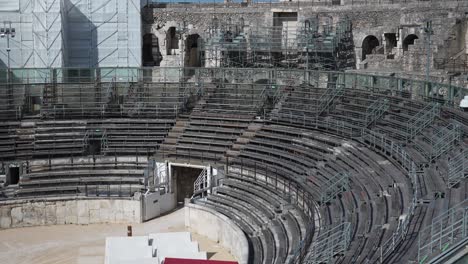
<point x="77" y="100"/>
<point x="164" y="100"/>
<point x="35" y="138"/>
<point x="86" y="176"/>
<point x="205" y="137"/>
<point x="273" y="225"/>
<point x="232" y="100"/>
<point x="376" y="200"/>
<point x="91" y="100"/>
<point x="122" y="136"/>
<point x="12" y="101"/>
<point x="298" y="106"/>
<point x="59" y="138"/>
<point x="8" y="139"/>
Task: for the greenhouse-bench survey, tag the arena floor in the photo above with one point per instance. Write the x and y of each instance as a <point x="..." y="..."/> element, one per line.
<point x="85" y="244"/>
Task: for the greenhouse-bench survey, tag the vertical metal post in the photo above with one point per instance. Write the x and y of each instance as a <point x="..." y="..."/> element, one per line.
<point x="428" y="30"/>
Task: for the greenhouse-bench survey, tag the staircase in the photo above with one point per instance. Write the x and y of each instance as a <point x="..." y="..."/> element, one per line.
<point x="284" y="95"/>
<point x="25" y="138"/>
<point x="244" y="139"/>
<point x="170" y="142"/>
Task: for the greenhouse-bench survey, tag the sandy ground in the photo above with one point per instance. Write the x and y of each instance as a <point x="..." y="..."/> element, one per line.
<point x="85" y="244"/>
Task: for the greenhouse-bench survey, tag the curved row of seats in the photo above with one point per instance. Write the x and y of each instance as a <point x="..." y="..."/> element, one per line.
<point x="91" y="100"/>
<point x="85" y="176"/>
<point x="288" y="146"/>
<point x="378" y="195"/>
<point x="432" y="177"/>
<point x="272" y="223"/>
<point x="31" y="139"/>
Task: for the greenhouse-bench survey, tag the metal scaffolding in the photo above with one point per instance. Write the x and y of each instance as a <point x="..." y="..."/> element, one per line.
<point x="446" y="230"/>
<point x="326" y="99"/>
<point x="329" y="48"/>
<point x="286" y="44"/>
<point x="457" y="168"/>
<point x="421" y="120"/>
<point x="441" y="141"/>
<point x="329" y="243"/>
<point x="137" y="89"/>
<point x="334" y="186"/>
<point x="376" y="110"/>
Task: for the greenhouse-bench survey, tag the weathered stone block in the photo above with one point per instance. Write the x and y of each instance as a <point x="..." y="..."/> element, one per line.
<point x="94" y="216"/>
<point x="51" y="214"/>
<point x="17" y="216"/>
<point x="61" y="213"/>
<point x="83" y="209"/>
<point x="105" y="215"/>
<point x="5" y="222"/>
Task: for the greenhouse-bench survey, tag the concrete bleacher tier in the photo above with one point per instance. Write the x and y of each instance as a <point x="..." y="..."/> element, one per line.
<point x="85" y="176"/>
<point x="274" y="226"/>
<point x="379" y="191"/>
<point x="107" y="100"/>
<point x="56" y="138"/>
<point x="296" y="144"/>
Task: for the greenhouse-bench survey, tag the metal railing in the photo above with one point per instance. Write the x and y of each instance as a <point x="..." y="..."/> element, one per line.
<point x="26" y="83"/>
<point x="421" y="120"/>
<point x="375" y="111"/>
<point x="396" y="152"/>
<point x="324" y="102"/>
<point x="445" y="230"/>
<point x="330" y="243"/>
<point x="201" y="183"/>
<point x="334" y="186"/>
<point x="457" y="168"/>
<point x="104" y="142"/>
<point x="441" y="141"/>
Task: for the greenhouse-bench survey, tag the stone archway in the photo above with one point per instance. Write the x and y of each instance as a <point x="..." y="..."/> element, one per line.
<point x="409" y="40"/>
<point x="368" y="46"/>
<point x="151" y="53"/>
<point x="192" y="54"/>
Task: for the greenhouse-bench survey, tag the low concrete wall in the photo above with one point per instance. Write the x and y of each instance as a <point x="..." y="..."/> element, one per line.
<point x="218" y="228"/>
<point x="76" y="211"/>
<point x="154" y="204"/>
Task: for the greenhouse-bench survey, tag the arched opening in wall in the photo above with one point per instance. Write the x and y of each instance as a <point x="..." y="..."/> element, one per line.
<point x="172" y="41"/>
<point x="192" y="56"/>
<point x="151" y="53"/>
<point x="390" y="43"/>
<point x="369" y="46"/>
<point x="409" y="40"/>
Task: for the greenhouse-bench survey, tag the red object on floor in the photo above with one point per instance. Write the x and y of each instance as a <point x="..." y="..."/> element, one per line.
<point x="195" y="261"/>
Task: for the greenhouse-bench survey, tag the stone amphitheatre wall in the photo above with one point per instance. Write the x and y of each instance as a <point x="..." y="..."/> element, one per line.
<point x="77" y="211"/>
<point x="218" y="228"/>
<point x="386" y="22"/>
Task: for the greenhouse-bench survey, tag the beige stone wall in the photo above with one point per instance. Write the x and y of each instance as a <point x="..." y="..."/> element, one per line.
<point x="61" y="212"/>
<point x="218" y="228"/>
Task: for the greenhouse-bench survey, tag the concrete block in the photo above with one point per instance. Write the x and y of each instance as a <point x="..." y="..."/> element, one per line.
<point x="83" y="210"/>
<point x="94" y="216"/>
<point x="71" y="212"/>
<point x="104" y="204"/>
<point x="105" y="215"/>
<point x="60" y="211"/>
<point x="129" y="216"/>
<point x="51" y="214"/>
<point x="5" y="211"/>
<point x="94" y="205"/>
<point x="118" y="205"/>
<point x="119" y="217"/>
<point x="17" y="216"/>
<point x="5" y="222"/>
